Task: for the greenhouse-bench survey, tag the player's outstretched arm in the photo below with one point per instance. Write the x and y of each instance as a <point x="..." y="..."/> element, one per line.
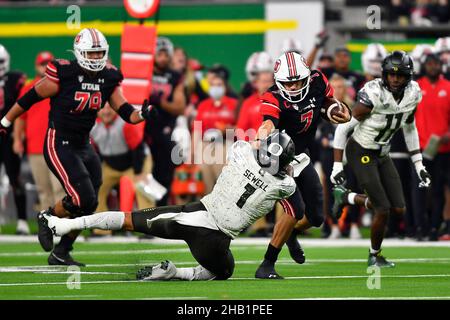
<point x="360" y="112"/>
<point x="264" y="130"/>
<point x="127" y="112"/>
<point x="45" y="88"/>
<point x="412" y="143"/>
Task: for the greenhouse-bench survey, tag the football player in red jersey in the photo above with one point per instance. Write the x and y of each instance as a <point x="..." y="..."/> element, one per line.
<point x="296" y="103"/>
<point x="77" y="89"/>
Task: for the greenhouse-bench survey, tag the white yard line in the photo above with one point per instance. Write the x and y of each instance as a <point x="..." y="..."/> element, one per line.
<point x="242" y="241"/>
<point x="287" y="278"/>
<point x="374" y="298"/>
<point x="59" y="269"/>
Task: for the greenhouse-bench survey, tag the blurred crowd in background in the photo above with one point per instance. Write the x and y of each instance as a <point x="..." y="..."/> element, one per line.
<point x="202" y="93"/>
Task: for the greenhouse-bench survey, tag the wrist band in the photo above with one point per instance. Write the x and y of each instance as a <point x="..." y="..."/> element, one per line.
<point x="416" y="157"/>
<point x="5" y="122"/>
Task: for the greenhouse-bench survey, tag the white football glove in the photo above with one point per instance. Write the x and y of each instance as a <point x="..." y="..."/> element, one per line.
<point x="424" y="176"/>
<point x="337" y="175"/>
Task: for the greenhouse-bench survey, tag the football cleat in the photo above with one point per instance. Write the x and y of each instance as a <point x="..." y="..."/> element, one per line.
<point x="63" y="259"/>
<point x="166" y="270"/>
<point x="45" y="234"/>
<point x="267" y="271"/>
<point x="379" y="261"/>
<point x="340" y="200"/>
<point x="295" y="249"/>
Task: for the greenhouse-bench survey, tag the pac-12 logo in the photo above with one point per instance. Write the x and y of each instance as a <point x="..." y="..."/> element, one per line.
<point x="276" y="67"/>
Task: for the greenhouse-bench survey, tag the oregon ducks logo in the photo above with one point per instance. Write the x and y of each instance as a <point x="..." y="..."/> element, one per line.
<point x="395" y="69"/>
<point x="365" y="159"/>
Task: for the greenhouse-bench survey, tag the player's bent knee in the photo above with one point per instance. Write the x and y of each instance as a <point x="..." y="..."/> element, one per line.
<point x="316" y="221"/>
<point x="399" y="211"/>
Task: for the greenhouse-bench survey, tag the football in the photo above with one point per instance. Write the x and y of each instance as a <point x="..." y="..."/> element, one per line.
<point x="332" y="107"/>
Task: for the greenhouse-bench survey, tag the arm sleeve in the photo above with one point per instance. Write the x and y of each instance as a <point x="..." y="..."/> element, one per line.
<point x="269" y="106"/>
<point x="364" y="98"/>
<point x="342" y="131"/>
<point x="411" y="136"/>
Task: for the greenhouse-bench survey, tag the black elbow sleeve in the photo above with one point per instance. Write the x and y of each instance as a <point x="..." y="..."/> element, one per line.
<point x="125" y="111"/>
<point x="29" y="99"/>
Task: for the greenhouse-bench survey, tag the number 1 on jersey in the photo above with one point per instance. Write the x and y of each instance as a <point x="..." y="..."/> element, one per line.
<point x="249" y="190"/>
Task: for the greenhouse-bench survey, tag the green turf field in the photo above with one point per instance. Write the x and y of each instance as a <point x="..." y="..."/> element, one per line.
<point x="421" y="272"/>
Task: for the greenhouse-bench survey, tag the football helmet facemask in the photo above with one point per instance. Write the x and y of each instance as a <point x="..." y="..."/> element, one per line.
<point x="290" y="67"/>
<point x="90" y="40"/>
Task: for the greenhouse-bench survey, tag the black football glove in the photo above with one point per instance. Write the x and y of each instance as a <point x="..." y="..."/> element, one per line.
<point x="322" y="38"/>
<point x="155" y="98"/>
<point x="148" y="111"/>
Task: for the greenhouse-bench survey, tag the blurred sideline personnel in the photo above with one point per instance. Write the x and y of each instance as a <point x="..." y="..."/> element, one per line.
<point x="341" y="66"/>
<point x="433" y="123"/>
<point x="29" y="128"/>
<point x="418" y="54"/>
<point x="122" y="151"/>
<point x="215" y="114"/>
<point x="442" y="48"/>
<point x="371" y="60"/>
<point x="11" y="82"/>
<point x="247" y="189"/>
<point x="169" y="98"/>
<point x="296" y="104"/>
<point x="326" y="130"/>
<point x="383" y="106"/>
<point x="77" y="89"/>
<point x="256" y="63"/>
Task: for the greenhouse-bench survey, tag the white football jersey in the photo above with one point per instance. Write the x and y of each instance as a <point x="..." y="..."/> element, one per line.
<point x="387" y="116"/>
<point x="244" y="192"/>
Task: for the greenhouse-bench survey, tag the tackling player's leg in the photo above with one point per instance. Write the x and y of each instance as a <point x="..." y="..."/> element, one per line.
<point x="209" y="247"/>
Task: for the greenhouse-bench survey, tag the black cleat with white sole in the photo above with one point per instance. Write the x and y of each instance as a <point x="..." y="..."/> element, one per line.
<point x="45" y="234"/>
<point x="63" y="259"/>
<point x="267" y="271"/>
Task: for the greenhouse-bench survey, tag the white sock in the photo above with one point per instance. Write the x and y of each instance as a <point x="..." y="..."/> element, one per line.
<point x="351" y="197"/>
<point x="197" y="273"/>
<point x="373" y="251"/>
<point x="108" y="220"/>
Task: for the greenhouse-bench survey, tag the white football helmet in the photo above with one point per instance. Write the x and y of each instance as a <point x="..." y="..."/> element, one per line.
<point x="4" y="61"/>
<point x="289" y="67"/>
<point x="258" y="62"/>
<point x="442" y="47"/>
<point x="419" y="53"/>
<point x="90" y="40"/>
<point x="163" y="43"/>
<point x="372" y="58"/>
